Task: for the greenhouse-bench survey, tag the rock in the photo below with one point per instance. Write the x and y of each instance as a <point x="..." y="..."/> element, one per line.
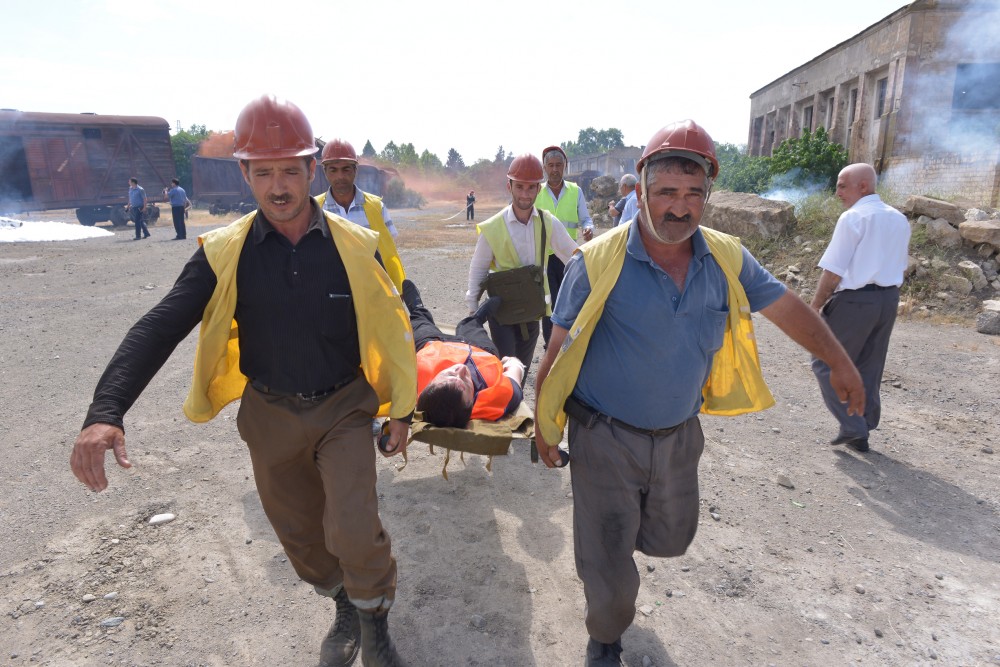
<point x="917" y="205"/>
<point x="748" y="215"/>
<point x="161" y="518"/>
<point x="939" y="576"/>
<point x="785" y="481"/>
<point x="911" y="267"/>
<point x="113" y="595"/>
<point x="991" y="305"/>
<point x="988" y="322"/>
<point x="984" y="249"/>
<point x="775" y="429"/>
<point x="646" y="610"/>
<point x="478" y="621"/>
<point x="974" y="273"/>
<point x="939" y="264"/>
<point x="859" y="589"/>
<point x="941" y="233"/>
<point x="976" y="214"/>
<point x="647" y="661"/>
<point x="650" y="567"/>
<point x="981" y="231"/>
<point x="89" y="598"/>
<point x="717" y="517"/>
<point x="957" y="284"/>
<point x="605" y="187"/>
<point x="878" y="633"/>
<point x="112" y="622"/>
<point x="986" y="450"/>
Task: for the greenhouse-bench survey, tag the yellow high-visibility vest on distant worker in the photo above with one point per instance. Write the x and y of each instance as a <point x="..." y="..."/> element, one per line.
<point x="388" y="358"/>
<point x="567" y="210"/>
<point x="735" y="384"/>
<point x="386" y="244"/>
<point x="505" y="256"/>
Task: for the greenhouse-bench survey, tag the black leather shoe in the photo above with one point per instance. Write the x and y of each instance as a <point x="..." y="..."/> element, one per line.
<point x="604" y="655"/>
<point x="341" y="644"/>
<point x="855" y="443"/>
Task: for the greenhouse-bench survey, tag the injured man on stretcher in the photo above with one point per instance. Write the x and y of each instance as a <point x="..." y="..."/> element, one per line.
<point x="461" y="376"/>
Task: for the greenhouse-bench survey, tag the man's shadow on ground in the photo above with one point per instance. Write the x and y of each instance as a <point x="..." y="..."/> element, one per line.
<point x="923" y="506"/>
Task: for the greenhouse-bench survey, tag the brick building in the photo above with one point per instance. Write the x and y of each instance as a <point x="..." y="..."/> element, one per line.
<point x="917" y="95"/>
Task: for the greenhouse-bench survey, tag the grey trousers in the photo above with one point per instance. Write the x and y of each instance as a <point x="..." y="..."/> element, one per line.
<point x="631" y="492"/>
<point x="862" y="321"/>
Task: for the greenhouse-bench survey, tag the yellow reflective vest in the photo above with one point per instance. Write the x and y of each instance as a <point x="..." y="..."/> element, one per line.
<point x="505" y="255"/>
<point x="388" y="359"/>
<point x="566" y="210"/>
<point x="386" y="244"/>
<point x="735" y="384"/>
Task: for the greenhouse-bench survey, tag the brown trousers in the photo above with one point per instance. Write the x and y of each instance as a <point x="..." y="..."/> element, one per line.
<point x="631" y="492"/>
<point x="314" y="465"/>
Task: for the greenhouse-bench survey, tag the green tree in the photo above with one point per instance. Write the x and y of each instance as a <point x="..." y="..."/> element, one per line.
<point x="594" y="141"/>
<point x="455" y="160"/>
<point x="430" y="162"/>
<point x="741" y="172"/>
<point x="390" y="153"/>
<point x="368" y="151"/>
<point x="500" y="156"/>
<point x="809" y="160"/>
<point x="184" y="146"/>
<point x="408" y="155"/>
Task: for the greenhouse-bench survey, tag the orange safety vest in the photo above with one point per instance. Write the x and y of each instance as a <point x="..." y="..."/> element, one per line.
<point x="437" y="356"/>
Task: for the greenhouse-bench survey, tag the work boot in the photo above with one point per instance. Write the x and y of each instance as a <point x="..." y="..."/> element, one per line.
<point x="411" y="295"/>
<point x="604" y="655"/>
<point x="377" y="649"/>
<point x="341" y="644"/>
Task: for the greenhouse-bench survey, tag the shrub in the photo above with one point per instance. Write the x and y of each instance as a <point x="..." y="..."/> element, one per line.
<point x="808" y="160"/>
<point x="397" y="195"/>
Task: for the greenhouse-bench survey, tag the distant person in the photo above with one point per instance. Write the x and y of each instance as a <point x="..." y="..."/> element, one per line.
<point x="632" y="374"/>
<point x="564" y="200"/>
<point x="344" y="198"/>
<point x="136" y="207"/>
<point x="858" y="294"/>
<point x="470" y="205"/>
<point x="179" y="204"/>
<point x="626" y="190"/>
<point x="461" y="376"/>
<point x="511" y="239"/>
<point x="300" y="322"/>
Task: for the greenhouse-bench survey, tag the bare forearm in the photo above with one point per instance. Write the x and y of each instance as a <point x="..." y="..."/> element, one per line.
<point x="824" y="289"/>
<point x="804" y="326"/>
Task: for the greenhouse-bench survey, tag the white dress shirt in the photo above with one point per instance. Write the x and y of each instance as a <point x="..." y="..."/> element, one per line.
<point x="355" y="212"/>
<point x="870" y="244"/>
<point x="523" y="237"/>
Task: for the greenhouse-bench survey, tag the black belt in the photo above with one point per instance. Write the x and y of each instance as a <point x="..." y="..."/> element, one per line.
<point x="873" y="287"/>
<point x="588" y="416"/>
<point x="306" y="396"/>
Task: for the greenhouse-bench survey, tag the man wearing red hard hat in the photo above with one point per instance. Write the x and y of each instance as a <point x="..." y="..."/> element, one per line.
<point x="299" y="321"/>
<point x="515" y="237"/>
<point x="630" y="375"/>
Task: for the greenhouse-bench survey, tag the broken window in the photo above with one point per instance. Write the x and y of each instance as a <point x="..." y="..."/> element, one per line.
<point x="807" y="118"/>
<point x="977" y="86"/>
<point x="881" y="87"/>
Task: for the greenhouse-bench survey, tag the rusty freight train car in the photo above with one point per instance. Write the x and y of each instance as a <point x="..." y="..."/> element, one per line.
<point x="82" y="161"/>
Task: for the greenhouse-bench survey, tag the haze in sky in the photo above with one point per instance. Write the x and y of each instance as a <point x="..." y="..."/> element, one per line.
<point x="466" y="75"/>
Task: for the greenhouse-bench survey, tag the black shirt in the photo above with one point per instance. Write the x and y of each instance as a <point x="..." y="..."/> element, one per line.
<point x="294" y="310"/>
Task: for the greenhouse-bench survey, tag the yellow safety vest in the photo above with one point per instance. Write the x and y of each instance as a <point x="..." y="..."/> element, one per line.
<point x="385" y="338"/>
<point x="505" y="255"/>
<point x="386" y="244"/>
<point x="735" y="385"/>
<point x="566" y="210"/>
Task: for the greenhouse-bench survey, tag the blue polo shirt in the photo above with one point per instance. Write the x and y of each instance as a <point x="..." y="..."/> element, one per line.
<point x="651" y="351"/>
<point x="177" y="196"/>
<point x="136" y="196"/>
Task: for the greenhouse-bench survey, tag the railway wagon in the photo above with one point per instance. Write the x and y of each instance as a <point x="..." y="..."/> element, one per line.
<point x="82" y="161"/>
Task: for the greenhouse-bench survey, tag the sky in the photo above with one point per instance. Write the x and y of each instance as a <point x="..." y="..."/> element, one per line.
<point x="441" y="74"/>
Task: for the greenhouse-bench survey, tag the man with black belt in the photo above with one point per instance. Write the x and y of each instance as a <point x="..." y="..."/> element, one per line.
<point x="632" y="374"/>
<point x="858" y="294"/>
<point x="298" y="319"/>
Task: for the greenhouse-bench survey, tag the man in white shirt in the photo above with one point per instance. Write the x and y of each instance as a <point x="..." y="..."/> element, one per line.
<point x="510" y="239"/>
<point x="858" y="294"/>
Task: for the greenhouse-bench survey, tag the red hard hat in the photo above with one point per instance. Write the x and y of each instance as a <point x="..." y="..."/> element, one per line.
<point x="271" y="129"/>
<point x="338" y="149"/>
<point x="555" y="148"/>
<point x="682" y="139"/>
<point x="527" y="169"/>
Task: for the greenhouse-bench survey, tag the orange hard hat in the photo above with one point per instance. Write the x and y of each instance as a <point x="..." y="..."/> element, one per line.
<point x="684" y="139"/>
<point x="555" y="148"/>
<point x="270" y="128"/>
<point x="527" y="169"/>
<point x="338" y="149"/>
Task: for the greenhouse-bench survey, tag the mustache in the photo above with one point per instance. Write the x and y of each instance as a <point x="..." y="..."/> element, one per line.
<point x="670" y="217"/>
<point x="280" y="199"/>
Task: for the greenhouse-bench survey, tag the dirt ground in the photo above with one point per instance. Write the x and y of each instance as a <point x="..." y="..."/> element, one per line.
<point x="888" y="558"/>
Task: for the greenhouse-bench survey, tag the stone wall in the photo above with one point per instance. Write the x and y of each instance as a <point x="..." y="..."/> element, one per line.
<point x="973" y="177"/>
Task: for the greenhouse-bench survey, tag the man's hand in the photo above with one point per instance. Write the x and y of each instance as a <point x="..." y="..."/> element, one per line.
<point x="549" y="454"/>
<point x="87" y="459"/>
<point x="397" y="431"/>
<point x="588" y="233"/>
<point x="846" y="381"/>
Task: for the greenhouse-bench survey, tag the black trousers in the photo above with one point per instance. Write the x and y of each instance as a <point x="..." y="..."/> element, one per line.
<point x="511" y="341"/>
<point x="178" y="213"/>
<point x="554" y="272"/>
<point x="470" y="212"/>
<point x="140" y="227"/>
<point x="469" y="330"/>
